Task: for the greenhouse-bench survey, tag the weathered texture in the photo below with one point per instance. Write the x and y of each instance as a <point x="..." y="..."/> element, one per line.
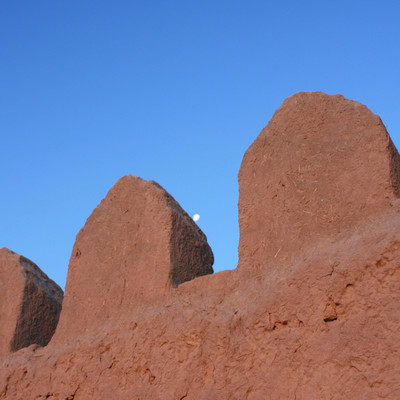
<point x="323" y="328"/>
<point x="137" y="244"/>
<point x="322" y="165"/>
<point x="30" y="303"/>
<point x="320" y="322"/>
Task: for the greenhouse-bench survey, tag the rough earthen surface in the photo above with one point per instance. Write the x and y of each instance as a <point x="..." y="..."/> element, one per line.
<point x="135" y="247"/>
<point x="322" y="165"/>
<point x="319" y="319"/>
<point x="30" y="304"/>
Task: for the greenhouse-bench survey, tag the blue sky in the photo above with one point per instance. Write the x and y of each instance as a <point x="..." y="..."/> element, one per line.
<point x="171" y="91"/>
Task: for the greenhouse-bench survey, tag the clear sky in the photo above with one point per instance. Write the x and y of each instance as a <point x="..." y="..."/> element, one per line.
<point x="173" y="91"/>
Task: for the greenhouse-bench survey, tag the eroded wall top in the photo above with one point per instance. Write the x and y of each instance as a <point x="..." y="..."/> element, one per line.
<point x="321" y="165"/>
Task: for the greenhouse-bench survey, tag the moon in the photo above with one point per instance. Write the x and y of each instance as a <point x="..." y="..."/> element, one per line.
<point x="196" y="217"/>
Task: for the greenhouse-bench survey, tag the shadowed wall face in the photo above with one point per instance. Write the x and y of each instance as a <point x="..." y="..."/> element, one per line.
<point x="30" y="302"/>
<point x="38" y="319"/>
<point x="190" y="253"/>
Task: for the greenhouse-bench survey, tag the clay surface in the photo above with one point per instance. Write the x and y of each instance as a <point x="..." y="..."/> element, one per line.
<point x="311" y="313"/>
<point x="137" y="245"/>
<point x="322" y="165"/>
<point x="30" y="303"/>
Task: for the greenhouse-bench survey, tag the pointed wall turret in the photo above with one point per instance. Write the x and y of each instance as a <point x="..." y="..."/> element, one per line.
<point x="137" y="245"/>
<point x="321" y="165"/>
